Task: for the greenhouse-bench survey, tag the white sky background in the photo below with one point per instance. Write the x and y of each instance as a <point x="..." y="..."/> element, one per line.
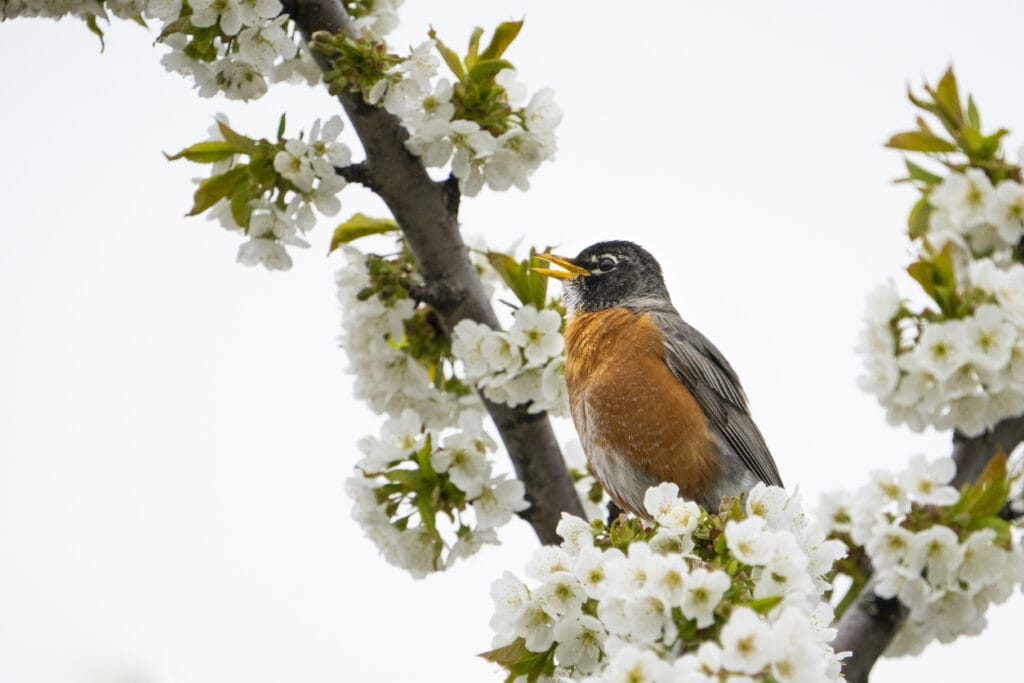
<point x="175" y="428"/>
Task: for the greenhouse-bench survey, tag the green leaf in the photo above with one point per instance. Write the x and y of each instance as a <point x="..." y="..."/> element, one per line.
<point x="280" y="127"/>
<point x="360" y="225"/>
<point x="947" y="96"/>
<point x="213" y="189"/>
<point x="973" y="115"/>
<point x="503" y="37"/>
<point x="529" y="287"/>
<point x="917" y="222"/>
<point x="240" y="198"/>
<point x="1002" y="528"/>
<point x="484" y="71"/>
<point x="920" y="141"/>
<point x="242" y="143"/>
<point x="521" y="662"/>
<point x="474" y="46"/>
<point x="449" y="56"/>
<point x="919" y="173"/>
<point x="413" y="480"/>
<point x="765" y="605"/>
<point x="208" y="152"/>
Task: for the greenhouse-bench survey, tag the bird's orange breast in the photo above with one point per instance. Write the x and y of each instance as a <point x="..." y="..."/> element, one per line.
<point x="636" y="421"/>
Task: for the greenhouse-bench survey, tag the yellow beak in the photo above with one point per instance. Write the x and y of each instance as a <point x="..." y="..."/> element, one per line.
<point x="571" y="269"/>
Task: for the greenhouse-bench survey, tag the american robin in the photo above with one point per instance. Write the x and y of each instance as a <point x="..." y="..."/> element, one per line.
<point x="652" y="399"/>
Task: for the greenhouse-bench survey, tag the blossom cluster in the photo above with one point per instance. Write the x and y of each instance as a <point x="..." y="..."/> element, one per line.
<point x="963" y="373"/>
<point x="524" y="365"/>
<point x="943" y="554"/>
<point x="688" y="597"/>
<point x="957" y="361"/>
<point x="388" y="376"/>
<point x="268" y="190"/>
<point x="499" y="155"/>
<point x="428" y="497"/>
<point x="963" y="367"/>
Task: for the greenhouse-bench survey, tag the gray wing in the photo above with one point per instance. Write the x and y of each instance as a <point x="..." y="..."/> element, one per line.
<point x="703" y="370"/>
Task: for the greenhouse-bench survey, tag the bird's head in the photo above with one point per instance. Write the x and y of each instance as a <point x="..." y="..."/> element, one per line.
<point x="607" y="275"/>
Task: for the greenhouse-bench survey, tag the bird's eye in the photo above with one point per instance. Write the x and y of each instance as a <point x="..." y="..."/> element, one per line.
<point x="606" y="263"/>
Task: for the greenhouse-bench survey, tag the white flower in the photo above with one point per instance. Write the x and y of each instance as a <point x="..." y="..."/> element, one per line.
<point x="269" y="221"/>
<point x="432" y="142"/>
<point x="963" y="196"/>
<point x="580" y="640"/>
<point x="514" y="90"/>
<point x="325" y="196"/>
<point x="293" y="163"/>
<point x="575" y="532"/>
<point x="630" y="664"/>
<point x="983" y="562"/>
<point x="420" y="66"/>
<point x="1005" y="210"/>
<point x="207" y="12"/>
<point x="542" y="114"/>
<point x="468" y="338"/>
<point x="941" y="350"/>
<point x="509" y="595"/>
<point x="592" y="570"/>
<point x="667" y="576"/>
<point x="889" y="545"/>
<point x="668" y="509"/>
<point x="560" y="595"/>
<point x="990" y="338"/>
<point x="537" y="332"/>
<point x="262" y="44"/>
<point x="926" y="481"/>
<point x="749" y="541"/>
<point x="168" y="10"/>
<point x="536" y="625"/>
<point x="464" y="458"/>
<point x="703" y="592"/>
<point x="239" y="80"/>
<point x="264" y="251"/>
<point x="746" y="642"/>
<point x="937" y="548"/>
<point x="548" y="560"/>
<point x="251" y="11"/>
<point x="499" y="499"/>
<point x="325" y="150"/>
<point x="501" y="353"/>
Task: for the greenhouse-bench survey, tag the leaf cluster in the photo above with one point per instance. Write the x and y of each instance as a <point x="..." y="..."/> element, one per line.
<point x="242" y="182"/>
<point x="476" y="94"/>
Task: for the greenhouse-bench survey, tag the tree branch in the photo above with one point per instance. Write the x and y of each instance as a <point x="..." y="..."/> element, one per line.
<point x="427" y="212"/>
<point x="357" y="173"/>
<point x="868" y="627"/>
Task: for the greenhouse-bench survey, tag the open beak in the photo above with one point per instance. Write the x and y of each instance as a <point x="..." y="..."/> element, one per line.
<point x="571" y="269"/>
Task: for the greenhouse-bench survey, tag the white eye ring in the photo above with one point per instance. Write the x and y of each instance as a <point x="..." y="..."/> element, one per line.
<point x="606" y="262"/>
